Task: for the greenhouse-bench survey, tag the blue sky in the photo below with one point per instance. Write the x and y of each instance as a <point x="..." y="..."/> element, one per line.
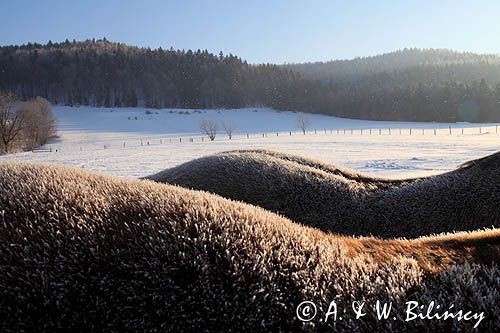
<point x="275" y="31"/>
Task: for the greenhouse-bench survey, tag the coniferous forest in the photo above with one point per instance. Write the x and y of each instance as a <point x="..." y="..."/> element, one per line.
<point x="412" y="84"/>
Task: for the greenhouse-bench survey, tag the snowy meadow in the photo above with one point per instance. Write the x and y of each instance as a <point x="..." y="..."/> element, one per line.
<point x="135" y="142"/>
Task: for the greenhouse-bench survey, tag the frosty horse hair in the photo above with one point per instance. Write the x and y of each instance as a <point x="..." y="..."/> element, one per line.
<point x="87" y="252"/>
<point x="344" y="201"/>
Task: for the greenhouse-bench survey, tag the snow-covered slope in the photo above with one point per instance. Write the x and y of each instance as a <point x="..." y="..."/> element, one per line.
<point x="134" y="142"/>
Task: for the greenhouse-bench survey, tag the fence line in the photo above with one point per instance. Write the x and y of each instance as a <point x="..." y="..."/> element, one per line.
<point x="337" y="132"/>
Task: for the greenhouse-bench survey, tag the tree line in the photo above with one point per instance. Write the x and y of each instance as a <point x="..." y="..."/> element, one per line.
<point x="103" y="73"/>
<point x="412" y="84"/>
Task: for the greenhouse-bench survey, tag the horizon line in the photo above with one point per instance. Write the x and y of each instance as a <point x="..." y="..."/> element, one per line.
<point x="104" y="39"/>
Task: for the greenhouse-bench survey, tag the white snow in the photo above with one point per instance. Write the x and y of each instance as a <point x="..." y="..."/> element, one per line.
<point x="109" y="140"/>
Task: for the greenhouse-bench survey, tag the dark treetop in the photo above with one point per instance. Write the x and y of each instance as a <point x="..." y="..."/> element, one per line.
<point x="414" y="85"/>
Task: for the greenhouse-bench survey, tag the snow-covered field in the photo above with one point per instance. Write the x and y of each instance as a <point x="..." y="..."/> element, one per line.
<point x="134" y="142"/>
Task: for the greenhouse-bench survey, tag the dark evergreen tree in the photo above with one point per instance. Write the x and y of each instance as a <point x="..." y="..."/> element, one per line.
<point x="412" y="84"/>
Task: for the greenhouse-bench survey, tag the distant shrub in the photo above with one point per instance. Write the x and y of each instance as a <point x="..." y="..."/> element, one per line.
<point x="28" y="126"/>
<point x="39" y="124"/>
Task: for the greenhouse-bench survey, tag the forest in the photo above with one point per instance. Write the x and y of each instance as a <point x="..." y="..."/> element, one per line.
<point x="412" y="84"/>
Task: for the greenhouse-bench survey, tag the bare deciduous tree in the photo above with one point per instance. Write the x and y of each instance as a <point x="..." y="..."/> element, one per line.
<point x="303" y="122"/>
<point x="228" y="128"/>
<point x="10" y="122"/>
<point x="209" y="127"/>
<point x="39" y="122"/>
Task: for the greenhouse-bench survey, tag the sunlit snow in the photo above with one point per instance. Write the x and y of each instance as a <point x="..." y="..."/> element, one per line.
<point x="134" y="142"/>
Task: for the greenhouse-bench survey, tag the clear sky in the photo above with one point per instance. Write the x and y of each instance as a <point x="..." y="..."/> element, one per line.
<point x="275" y="31"/>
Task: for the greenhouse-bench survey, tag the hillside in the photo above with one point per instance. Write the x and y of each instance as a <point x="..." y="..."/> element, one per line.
<point x="410" y="85"/>
<point x="413" y="84"/>
<point x="103" y="73"/>
<point x="89" y="252"/>
<point x="448" y="65"/>
<point x="299" y="188"/>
